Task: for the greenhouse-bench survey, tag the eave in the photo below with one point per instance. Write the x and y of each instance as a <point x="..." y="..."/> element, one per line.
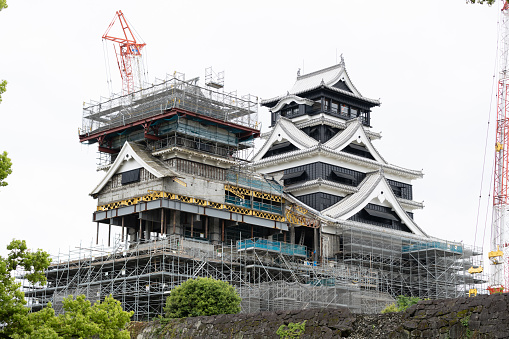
<point x="339" y="155"/>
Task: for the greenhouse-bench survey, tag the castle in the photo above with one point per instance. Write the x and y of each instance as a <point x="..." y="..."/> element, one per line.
<point x="315" y="217"/>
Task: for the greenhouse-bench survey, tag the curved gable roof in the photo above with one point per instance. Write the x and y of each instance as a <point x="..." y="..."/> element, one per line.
<point x="142" y="157"/>
<point x="289" y="99"/>
<point x="327" y="77"/>
<point x="285" y="129"/>
<point x="353" y="132"/>
<point x="373" y="186"/>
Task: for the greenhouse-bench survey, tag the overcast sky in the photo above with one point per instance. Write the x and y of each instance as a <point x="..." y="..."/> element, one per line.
<point x="430" y="62"/>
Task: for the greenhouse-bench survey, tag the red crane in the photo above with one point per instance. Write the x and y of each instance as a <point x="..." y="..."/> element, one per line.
<point x="128" y="51"/>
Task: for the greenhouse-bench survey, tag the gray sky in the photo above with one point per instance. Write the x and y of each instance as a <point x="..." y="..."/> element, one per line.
<point x="430" y="62"/>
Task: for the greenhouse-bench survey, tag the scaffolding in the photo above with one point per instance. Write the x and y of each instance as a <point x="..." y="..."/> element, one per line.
<point x="173" y="113"/>
<point x="240" y="227"/>
<point x="163" y="95"/>
<point x="412" y="266"/>
<point x="368" y="272"/>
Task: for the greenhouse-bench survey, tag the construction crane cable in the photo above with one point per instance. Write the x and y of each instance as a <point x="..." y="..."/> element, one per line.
<point x="494" y="80"/>
<point x="144" y="60"/>
<point x="107" y="65"/>
<point x="488" y="204"/>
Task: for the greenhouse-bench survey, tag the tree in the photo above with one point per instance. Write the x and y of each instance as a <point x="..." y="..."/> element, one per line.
<point x="202" y="296"/>
<point x="79" y="320"/>
<point x="3" y="83"/>
<point x="5" y="168"/>
<point x="13" y="313"/>
<point x="3" y="4"/>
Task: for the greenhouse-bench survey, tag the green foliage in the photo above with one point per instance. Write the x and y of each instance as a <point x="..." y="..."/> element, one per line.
<point x="13" y="312"/>
<point x="3" y="83"/>
<point x="464" y="322"/>
<point x="405" y="302"/>
<point x="293" y="330"/>
<point x="83" y="320"/>
<point x="489" y="2"/>
<point x="79" y="320"/>
<point x="202" y="296"/>
<point x="402" y="303"/>
<point x="392" y="308"/>
<point x="5" y="168"/>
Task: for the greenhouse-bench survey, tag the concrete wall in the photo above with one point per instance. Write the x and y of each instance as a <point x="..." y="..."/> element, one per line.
<point x="197" y="188"/>
<point x="128" y="191"/>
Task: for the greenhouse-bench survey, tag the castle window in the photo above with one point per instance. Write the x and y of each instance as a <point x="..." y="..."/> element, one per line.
<point x="381" y="214"/>
<point x="344" y="178"/>
<point x="326" y="105"/>
<point x="354" y="112"/>
<point x="131" y="176"/>
<point x="334" y="107"/>
<point x="344" y="109"/>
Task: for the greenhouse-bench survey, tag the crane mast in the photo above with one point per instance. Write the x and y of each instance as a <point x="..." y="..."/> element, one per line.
<point x="128" y="54"/>
<point x="499" y="244"/>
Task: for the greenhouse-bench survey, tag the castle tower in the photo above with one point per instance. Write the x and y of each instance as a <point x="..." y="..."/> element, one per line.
<point x="320" y="148"/>
<point x="171" y="156"/>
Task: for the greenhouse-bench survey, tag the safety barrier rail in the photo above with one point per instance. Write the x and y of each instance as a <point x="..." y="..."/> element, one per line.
<point x="275" y="246"/>
<point x="433" y="245"/>
<point x="254" y="205"/>
<point x="245" y="180"/>
<point x="241" y="192"/>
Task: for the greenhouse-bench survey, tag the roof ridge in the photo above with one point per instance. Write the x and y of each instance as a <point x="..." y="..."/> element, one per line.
<point x="323" y="70"/>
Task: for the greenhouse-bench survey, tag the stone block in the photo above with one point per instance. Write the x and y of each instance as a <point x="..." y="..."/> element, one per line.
<point x="474" y="324"/>
<point x="402" y="334"/>
<point x="411" y="324"/>
<point x="423" y="325"/>
<point x="498" y="306"/>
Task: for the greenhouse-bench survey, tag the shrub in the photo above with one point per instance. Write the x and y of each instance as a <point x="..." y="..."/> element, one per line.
<point x="402" y="303"/>
<point x="405" y="302"/>
<point x="293" y="330"/>
<point x="202" y="296"/>
<point x="392" y="308"/>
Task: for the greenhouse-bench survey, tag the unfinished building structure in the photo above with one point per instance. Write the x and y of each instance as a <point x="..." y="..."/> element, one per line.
<point x="315" y="218"/>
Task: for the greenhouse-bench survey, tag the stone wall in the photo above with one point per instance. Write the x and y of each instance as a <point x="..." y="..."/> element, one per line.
<point x="478" y="317"/>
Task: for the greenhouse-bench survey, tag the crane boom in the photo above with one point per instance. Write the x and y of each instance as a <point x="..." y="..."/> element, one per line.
<point x="499" y="244"/>
<point x="128" y="51"/>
